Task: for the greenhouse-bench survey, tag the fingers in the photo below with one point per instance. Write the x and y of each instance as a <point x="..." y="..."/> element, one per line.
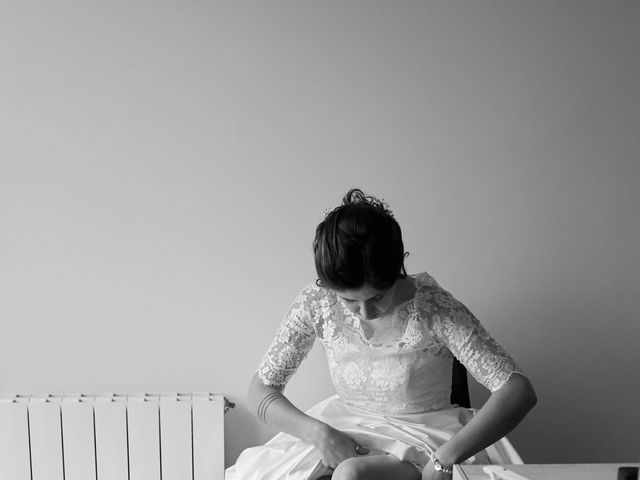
<point x="360" y="449"/>
<point x="336" y="446"/>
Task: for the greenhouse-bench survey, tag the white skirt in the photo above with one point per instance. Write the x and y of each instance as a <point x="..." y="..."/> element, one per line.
<point x="409" y="437"/>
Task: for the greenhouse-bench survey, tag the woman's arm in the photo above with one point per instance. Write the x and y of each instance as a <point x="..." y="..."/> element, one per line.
<point x="512" y="394"/>
<point x="293" y="341"/>
<point x="274" y="409"/>
<point x="504" y="409"/>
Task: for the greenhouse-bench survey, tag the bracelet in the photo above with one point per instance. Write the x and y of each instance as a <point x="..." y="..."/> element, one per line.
<point x="437" y="466"/>
<point x="265" y="403"/>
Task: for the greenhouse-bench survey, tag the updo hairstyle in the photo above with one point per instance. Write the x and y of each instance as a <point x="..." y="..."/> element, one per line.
<point x="359" y="243"/>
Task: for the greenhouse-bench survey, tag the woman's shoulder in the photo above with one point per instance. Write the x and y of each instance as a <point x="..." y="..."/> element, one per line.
<point x="313" y="296"/>
<point x="424" y="280"/>
<point x="313" y="290"/>
<point x="433" y="301"/>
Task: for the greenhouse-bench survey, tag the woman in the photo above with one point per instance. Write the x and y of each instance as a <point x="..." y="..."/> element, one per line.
<point x="390" y="339"/>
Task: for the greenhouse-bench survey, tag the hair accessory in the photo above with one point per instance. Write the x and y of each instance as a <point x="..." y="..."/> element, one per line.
<point x="437" y="466"/>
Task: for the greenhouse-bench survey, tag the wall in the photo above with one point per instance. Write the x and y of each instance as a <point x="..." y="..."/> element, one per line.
<point x="164" y="165"/>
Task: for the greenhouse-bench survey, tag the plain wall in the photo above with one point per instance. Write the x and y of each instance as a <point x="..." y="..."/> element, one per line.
<point x="163" y="166"/>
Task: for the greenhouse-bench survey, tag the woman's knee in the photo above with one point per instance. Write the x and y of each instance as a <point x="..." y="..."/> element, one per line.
<point x="375" y="467"/>
<point x="350" y="469"/>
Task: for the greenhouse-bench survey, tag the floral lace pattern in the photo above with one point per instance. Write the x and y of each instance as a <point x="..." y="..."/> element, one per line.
<point x="404" y="368"/>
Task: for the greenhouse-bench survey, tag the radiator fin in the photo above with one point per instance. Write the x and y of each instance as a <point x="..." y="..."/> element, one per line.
<point x="163" y="436"/>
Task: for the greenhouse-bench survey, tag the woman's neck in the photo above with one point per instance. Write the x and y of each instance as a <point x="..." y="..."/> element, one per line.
<point x="405" y="289"/>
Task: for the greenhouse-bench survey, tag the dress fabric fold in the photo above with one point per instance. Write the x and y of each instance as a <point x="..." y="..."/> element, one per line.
<point x="409" y="437"/>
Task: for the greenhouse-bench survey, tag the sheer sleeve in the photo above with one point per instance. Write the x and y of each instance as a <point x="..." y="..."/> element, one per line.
<point x="292" y="343"/>
<point x="459" y="330"/>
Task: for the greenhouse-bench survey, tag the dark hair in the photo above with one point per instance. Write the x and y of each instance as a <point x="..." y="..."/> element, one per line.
<point x="358" y="243"/>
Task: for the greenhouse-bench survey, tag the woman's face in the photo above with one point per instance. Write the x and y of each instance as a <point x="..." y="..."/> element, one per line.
<point x="366" y="302"/>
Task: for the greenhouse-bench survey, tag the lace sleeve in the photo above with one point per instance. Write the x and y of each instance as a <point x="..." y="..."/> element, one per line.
<point x="469" y="342"/>
<point x="292" y="343"/>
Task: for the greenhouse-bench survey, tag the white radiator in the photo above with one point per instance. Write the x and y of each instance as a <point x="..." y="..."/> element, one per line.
<point x="165" y="436"/>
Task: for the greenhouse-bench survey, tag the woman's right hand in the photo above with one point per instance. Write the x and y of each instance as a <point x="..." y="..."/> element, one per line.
<point x="336" y="446"/>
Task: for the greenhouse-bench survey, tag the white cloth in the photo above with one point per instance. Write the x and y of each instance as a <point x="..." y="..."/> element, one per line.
<point x="410" y="437"/>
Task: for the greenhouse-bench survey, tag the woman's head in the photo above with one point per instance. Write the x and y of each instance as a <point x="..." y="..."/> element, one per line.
<point x="359" y="243"/>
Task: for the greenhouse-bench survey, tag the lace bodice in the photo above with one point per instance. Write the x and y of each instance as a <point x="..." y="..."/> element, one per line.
<point x="404" y="368"/>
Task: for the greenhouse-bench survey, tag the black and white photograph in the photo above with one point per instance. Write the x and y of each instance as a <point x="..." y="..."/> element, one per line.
<point x="314" y="240"/>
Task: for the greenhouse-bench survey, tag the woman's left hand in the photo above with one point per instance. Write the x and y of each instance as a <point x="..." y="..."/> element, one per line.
<point x="430" y="473"/>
